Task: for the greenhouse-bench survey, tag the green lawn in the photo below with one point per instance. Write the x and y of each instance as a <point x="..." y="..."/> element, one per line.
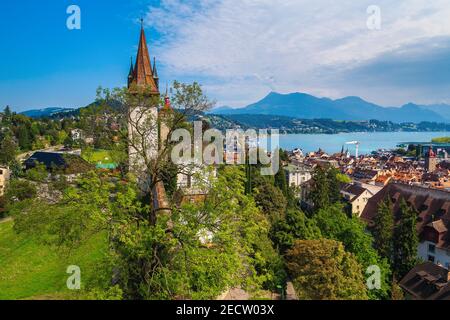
<point x="97" y="156"/>
<point x="29" y="270"/>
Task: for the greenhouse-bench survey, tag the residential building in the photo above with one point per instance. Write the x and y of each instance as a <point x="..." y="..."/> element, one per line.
<point x="427" y="281"/>
<point x="357" y="197"/>
<point x="297" y="175"/>
<point x="4" y="177"/>
<point x="433" y="217"/>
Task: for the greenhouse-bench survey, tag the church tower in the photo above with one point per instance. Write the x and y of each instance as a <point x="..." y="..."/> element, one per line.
<point x="143" y="115"/>
<point x="430" y="161"/>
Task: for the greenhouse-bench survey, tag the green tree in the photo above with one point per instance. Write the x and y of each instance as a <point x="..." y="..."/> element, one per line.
<point x="23" y="138"/>
<point x="280" y="176"/>
<point x="351" y="232"/>
<point x="406" y="241"/>
<point x="294" y="226"/>
<point x="38" y="173"/>
<point x="8" y="150"/>
<point x="270" y="199"/>
<point x="323" y="270"/>
<point x="383" y="230"/>
<point x="320" y="189"/>
<point x="334" y="186"/>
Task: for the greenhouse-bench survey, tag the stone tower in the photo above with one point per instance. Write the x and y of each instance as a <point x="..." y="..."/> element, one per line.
<point x="430" y="161"/>
<point x="143" y="119"/>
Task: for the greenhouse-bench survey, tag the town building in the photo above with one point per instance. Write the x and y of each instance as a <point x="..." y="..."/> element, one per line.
<point x="4" y="177"/>
<point x="357" y="197"/>
<point x="427" y="281"/>
<point x="297" y="175"/>
<point x="433" y="217"/>
<point x="430" y="161"/>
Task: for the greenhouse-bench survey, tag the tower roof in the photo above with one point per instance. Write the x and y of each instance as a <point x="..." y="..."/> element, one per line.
<point x="167" y="104"/>
<point x="143" y="74"/>
<point x="431" y="153"/>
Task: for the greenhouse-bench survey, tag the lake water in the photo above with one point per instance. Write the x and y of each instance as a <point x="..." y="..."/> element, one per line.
<point x="370" y="141"/>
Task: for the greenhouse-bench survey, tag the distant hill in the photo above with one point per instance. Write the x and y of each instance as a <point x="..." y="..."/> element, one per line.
<point x="292" y="125"/>
<point x="305" y="106"/>
<point x="47" y="112"/>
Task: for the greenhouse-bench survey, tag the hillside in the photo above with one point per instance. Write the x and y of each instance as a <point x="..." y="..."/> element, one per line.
<point x="305" y="106"/>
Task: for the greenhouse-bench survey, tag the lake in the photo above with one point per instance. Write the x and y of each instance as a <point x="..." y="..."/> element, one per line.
<point x="370" y="141"/>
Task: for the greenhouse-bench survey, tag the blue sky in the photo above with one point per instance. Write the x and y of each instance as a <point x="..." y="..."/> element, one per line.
<point x="239" y="50"/>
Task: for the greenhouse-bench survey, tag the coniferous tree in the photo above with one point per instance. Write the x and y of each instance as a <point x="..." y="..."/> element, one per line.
<point x="280" y="176"/>
<point x="23" y="137"/>
<point x="8" y="150"/>
<point x="333" y="185"/>
<point x="383" y="231"/>
<point x="405" y="241"/>
<point x="320" y="190"/>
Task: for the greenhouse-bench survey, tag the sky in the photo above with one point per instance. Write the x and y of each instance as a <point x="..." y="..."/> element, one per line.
<point x="239" y="50"/>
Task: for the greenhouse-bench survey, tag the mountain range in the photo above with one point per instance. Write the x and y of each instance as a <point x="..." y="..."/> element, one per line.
<point x="47" y="112"/>
<point x="305" y="106"/>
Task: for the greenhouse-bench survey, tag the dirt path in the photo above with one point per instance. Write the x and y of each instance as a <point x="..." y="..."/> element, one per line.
<point x="5" y="220"/>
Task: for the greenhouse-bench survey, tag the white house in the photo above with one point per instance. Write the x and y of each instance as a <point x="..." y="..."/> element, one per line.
<point x="4" y="177"/>
<point x="297" y="175"/>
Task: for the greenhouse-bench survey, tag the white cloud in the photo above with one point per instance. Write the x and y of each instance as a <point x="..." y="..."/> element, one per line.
<point x="242" y="49"/>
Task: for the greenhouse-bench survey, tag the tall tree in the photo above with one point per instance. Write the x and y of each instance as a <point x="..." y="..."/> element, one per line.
<point x="406" y="241"/>
<point x="280" y="176"/>
<point x="8" y="150"/>
<point x="270" y="199"/>
<point x="323" y="270"/>
<point x="335" y="224"/>
<point x="334" y="185"/>
<point x="320" y="190"/>
<point x="294" y="226"/>
<point x="383" y="230"/>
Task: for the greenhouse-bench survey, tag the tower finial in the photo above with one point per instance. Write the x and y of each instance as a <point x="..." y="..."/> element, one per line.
<point x="142" y="23"/>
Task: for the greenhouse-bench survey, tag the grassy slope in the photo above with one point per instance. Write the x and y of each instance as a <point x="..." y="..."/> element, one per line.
<point x="97" y="156"/>
<point x="30" y="270"/>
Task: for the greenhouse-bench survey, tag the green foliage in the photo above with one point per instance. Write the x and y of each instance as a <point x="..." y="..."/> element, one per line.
<point x="269" y="199"/>
<point x="343" y="178"/>
<point x="8" y="150"/>
<point x="20" y="190"/>
<point x="335" y="224"/>
<point x="383" y="230"/>
<point x="295" y="226"/>
<point x="196" y="253"/>
<point x="405" y="241"/>
<point x="31" y="270"/>
<point x="441" y="140"/>
<point x="323" y="270"/>
<point x="38" y="173"/>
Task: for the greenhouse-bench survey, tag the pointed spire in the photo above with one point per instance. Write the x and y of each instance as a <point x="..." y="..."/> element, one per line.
<point x="142" y="74"/>
<point x="130" y="74"/>
<point x="155" y="73"/>
<point x="167" y="105"/>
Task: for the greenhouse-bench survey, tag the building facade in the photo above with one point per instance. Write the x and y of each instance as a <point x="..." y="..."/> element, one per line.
<point x="433" y="217"/>
<point x="143" y="115"/>
<point x="4" y="177"/>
